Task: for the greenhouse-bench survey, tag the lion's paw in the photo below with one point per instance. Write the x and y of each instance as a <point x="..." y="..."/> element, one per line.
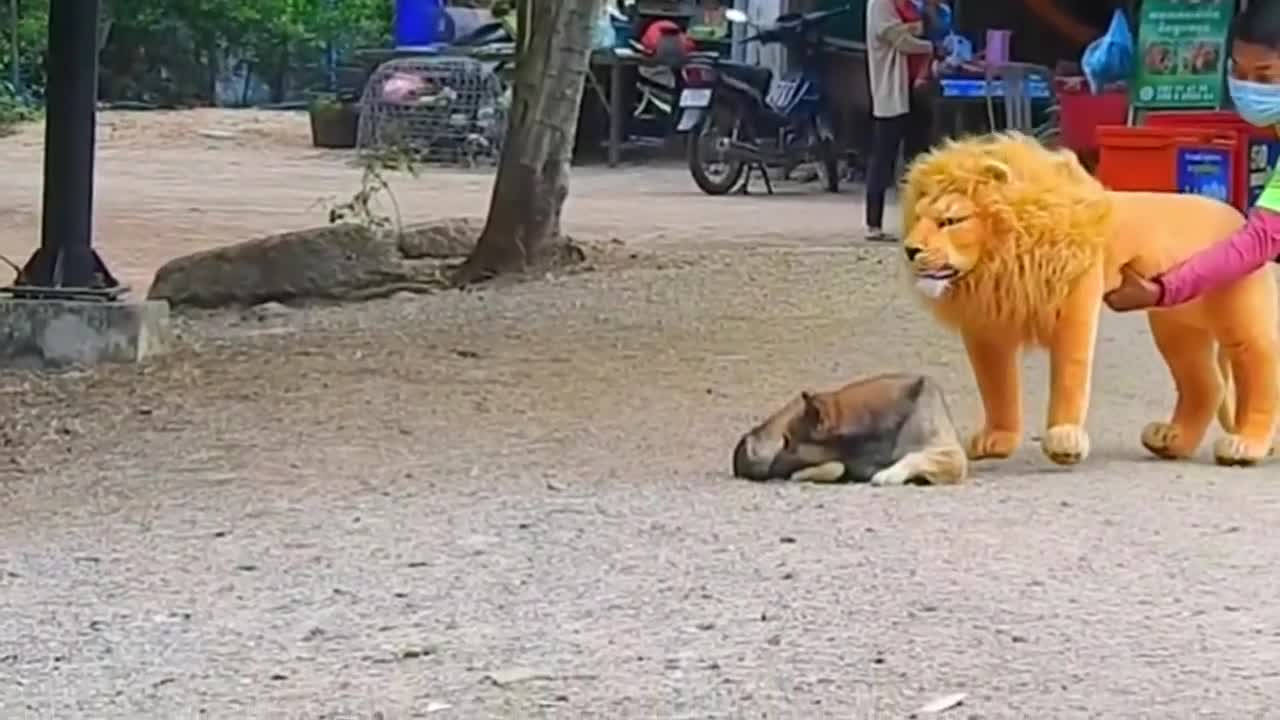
<point x="1233" y="450"/>
<point x="998" y="444"/>
<point x="1164" y="440"/>
<point x="1065" y="444"/>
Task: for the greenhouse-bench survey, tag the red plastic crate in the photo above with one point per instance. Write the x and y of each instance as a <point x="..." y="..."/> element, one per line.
<point x="1146" y="158"/>
<point x="1080" y="113"/>
<point x="1221" y="120"/>
<point x="1217" y="119"/>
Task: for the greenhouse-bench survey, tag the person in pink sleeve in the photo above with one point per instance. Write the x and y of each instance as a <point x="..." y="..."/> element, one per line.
<point x="1254" y="84"/>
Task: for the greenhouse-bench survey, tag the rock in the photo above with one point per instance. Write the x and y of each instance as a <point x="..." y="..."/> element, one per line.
<point x="413" y="653"/>
<point x="335" y="262"/>
<point x="441" y="239"/>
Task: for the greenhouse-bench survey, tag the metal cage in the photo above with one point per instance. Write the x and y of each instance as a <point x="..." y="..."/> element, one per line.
<point x="442" y="109"/>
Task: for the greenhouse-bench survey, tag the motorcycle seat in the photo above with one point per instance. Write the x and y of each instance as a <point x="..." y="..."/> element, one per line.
<point x="753" y="75"/>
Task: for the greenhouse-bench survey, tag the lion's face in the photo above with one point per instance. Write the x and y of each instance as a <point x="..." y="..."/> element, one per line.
<point x="1001" y="226"/>
<point x="946" y="241"/>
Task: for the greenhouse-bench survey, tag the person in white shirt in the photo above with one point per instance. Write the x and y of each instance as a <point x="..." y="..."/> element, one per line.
<point x="890" y="39"/>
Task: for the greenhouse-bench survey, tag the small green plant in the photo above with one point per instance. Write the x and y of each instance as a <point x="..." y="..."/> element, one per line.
<point x="376" y="165"/>
<point x="325" y="102"/>
<point x="13" y="110"/>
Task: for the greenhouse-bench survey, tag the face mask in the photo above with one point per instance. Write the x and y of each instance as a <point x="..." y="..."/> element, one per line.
<point x="1258" y="103"/>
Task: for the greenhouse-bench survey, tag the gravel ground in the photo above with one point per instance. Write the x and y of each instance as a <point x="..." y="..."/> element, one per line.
<point x="515" y="503"/>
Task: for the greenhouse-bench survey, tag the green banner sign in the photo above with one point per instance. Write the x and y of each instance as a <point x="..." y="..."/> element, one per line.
<point x="1181" y="53"/>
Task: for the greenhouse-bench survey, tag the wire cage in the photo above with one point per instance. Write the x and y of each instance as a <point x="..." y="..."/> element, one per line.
<point x="441" y="109"/>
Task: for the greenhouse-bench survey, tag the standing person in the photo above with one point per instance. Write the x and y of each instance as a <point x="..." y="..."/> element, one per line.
<point x="936" y="16"/>
<point x="890" y="41"/>
<point x="1254" y="83"/>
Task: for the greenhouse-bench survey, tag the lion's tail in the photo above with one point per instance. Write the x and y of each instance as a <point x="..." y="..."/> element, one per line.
<point x="1227" y="407"/>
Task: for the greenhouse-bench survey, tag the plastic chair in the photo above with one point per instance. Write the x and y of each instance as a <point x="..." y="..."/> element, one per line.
<point x="1014" y="77"/>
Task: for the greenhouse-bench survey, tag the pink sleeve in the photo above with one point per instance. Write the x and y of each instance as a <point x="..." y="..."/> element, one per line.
<point x="1246" y="250"/>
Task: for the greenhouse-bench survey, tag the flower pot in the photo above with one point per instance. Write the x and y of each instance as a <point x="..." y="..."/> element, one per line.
<point x="333" y="125"/>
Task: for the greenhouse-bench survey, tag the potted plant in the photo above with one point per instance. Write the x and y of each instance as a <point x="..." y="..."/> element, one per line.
<point x="334" y="122"/>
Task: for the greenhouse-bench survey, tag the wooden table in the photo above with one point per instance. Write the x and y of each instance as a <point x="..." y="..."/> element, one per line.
<point x="614" y="101"/>
<point x="958" y="96"/>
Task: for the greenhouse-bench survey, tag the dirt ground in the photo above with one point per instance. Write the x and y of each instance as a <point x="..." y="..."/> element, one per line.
<point x="515" y="503"/>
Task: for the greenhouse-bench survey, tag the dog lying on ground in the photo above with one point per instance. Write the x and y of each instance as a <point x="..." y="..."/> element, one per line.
<point x="886" y="430"/>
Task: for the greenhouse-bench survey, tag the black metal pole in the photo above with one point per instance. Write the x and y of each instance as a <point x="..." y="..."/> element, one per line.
<point x="66" y="258"/>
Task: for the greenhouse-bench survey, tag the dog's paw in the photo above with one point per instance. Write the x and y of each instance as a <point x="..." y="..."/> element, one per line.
<point x="1164" y="440"/>
<point x="1236" y="451"/>
<point x="992" y="444"/>
<point x="828" y="472"/>
<point x="890" y="476"/>
<point x="1065" y="444"/>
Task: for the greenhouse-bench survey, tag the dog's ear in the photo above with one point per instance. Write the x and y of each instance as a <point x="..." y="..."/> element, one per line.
<point x="996" y="171"/>
<point x="808" y="399"/>
<point x="915" y="389"/>
<point x="815" y="415"/>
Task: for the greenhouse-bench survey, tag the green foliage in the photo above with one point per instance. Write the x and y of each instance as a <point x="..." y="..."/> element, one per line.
<point x="33" y="27"/>
<point x="13" y="110"/>
<point x="265" y="28"/>
<point x="325" y="102"/>
<point x="275" y="35"/>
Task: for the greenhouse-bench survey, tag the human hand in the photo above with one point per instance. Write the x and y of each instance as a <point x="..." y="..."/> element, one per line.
<point x="1134" y="292"/>
<point x="916" y="27"/>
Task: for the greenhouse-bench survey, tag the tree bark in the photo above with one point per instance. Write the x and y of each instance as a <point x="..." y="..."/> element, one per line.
<point x="523" y="227"/>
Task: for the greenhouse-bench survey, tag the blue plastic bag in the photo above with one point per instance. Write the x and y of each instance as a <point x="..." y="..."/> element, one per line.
<point x="937" y="32"/>
<point x="1109" y="58"/>
<point x="957" y="50"/>
<point x="603" y="35"/>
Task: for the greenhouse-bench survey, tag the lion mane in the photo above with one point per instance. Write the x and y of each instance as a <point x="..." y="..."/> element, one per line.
<point x="1047" y="220"/>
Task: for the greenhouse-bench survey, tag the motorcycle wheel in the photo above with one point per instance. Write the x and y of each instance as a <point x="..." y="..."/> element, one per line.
<point x="719" y="123"/>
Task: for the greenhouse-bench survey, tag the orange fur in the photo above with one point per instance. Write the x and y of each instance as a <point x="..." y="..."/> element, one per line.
<point x="1031" y="242"/>
<point x="1048" y="229"/>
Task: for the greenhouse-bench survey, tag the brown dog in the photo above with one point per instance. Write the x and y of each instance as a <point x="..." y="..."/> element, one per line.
<point x="887" y="430"/>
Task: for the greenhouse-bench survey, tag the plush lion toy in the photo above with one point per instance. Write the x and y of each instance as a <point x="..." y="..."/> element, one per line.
<point x="1013" y="245"/>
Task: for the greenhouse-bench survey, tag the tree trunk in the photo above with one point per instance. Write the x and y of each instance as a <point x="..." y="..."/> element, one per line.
<point x="523" y="227"/>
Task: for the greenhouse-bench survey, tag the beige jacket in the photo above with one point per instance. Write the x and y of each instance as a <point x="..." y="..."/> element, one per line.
<point x="888" y="44"/>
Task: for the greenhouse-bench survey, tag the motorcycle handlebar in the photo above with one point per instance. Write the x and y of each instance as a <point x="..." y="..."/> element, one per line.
<point x="824" y="14"/>
<point x="774" y="34"/>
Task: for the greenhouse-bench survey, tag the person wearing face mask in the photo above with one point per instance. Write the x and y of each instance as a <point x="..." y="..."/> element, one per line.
<point x="1254" y="83"/>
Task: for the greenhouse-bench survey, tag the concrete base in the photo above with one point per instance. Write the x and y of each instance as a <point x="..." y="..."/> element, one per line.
<point x="42" y="334"/>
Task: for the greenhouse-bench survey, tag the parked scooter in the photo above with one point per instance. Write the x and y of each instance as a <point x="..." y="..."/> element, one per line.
<point x="742" y="118"/>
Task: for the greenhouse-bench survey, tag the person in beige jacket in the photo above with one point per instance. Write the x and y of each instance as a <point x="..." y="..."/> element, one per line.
<point x="894" y="125"/>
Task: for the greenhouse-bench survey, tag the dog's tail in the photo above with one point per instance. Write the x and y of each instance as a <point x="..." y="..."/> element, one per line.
<point x="1227" y="405"/>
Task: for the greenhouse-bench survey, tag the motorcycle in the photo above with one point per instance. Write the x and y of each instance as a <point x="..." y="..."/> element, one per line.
<point x="740" y="117"/>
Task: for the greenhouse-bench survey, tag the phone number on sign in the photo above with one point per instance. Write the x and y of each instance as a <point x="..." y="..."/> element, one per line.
<point x="1183" y="93"/>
